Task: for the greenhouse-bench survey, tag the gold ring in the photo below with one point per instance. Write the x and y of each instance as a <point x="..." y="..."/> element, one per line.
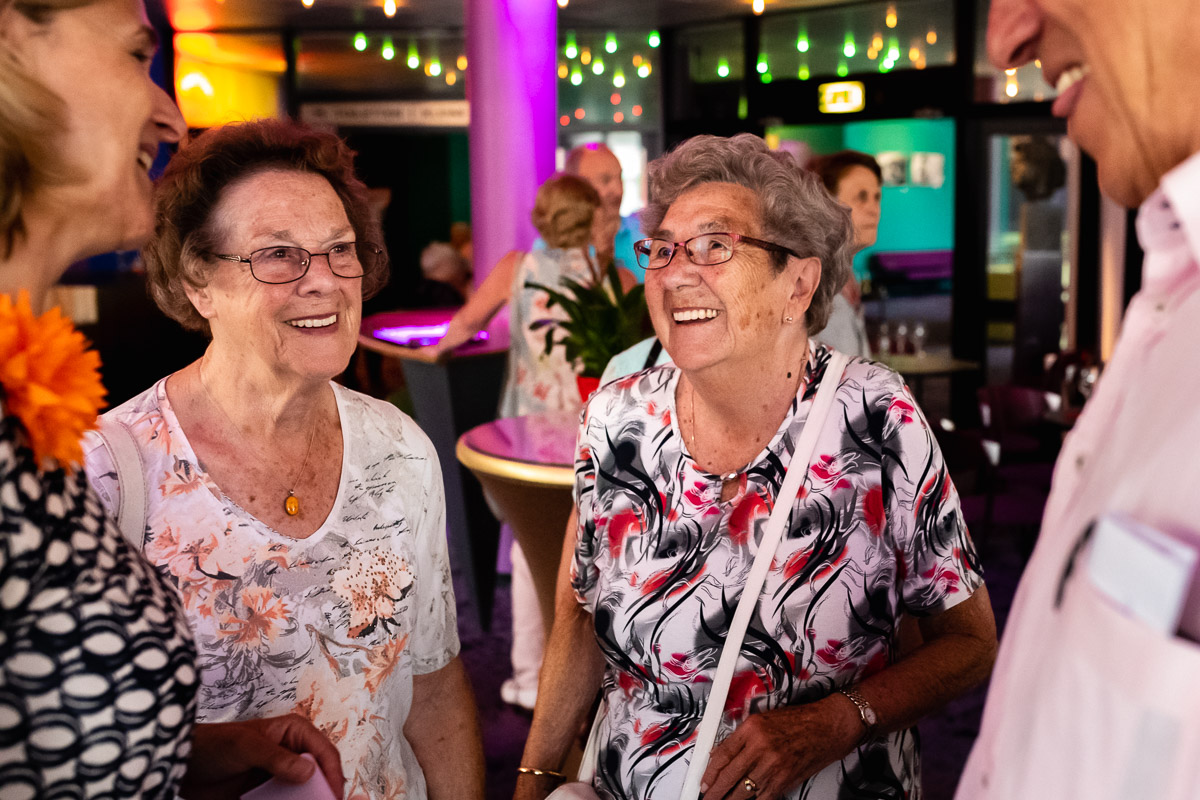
<point x="750" y="785"/>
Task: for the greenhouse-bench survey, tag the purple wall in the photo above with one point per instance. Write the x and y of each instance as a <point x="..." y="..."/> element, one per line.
<point x="511" y="47"/>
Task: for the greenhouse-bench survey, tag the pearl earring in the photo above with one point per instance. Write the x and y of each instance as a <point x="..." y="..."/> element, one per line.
<point x="787" y="319"/>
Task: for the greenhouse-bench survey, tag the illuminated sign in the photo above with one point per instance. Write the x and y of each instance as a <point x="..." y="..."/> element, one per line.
<point x="843" y="97"/>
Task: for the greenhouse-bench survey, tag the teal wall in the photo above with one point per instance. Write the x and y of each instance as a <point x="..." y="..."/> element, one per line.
<point x="913" y="217"/>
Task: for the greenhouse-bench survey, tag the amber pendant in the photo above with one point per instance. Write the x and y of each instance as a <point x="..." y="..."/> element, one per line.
<point x="291" y="505"/>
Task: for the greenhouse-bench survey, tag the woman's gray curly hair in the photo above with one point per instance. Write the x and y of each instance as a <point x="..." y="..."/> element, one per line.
<point x="794" y="207"/>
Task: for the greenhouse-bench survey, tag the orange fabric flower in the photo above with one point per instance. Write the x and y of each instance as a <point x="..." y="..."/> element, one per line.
<point x="51" y="380"/>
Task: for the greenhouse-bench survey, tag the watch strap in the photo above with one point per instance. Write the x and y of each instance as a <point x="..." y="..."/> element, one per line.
<point x="865" y="712"/>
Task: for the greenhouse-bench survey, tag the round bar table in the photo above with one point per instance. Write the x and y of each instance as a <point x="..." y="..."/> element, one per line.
<point x="526" y="466"/>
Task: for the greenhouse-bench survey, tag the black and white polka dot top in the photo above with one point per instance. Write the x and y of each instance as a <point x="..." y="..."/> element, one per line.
<point x="97" y="666"/>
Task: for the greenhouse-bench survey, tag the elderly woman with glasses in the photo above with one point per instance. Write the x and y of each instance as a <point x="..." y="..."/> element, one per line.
<point x="303" y="524"/>
<point x="677" y="469"/>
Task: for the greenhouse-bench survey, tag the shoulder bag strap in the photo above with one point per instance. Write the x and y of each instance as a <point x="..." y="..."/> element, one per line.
<point x="131" y="479"/>
<point x="797" y="470"/>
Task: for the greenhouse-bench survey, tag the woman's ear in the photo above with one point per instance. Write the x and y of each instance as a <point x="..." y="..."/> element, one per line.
<point x="807" y="276"/>
<point x="201" y="299"/>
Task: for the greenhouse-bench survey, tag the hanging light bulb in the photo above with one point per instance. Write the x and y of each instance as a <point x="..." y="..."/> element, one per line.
<point x="842" y="69"/>
<point x="434" y="68"/>
<point x="585" y="56"/>
<point x="598" y="66"/>
<point x="562" y="70"/>
<point x="414" y="58"/>
<point x="388" y="52"/>
<point x="723" y="68"/>
<point x="451" y="77"/>
<point x="654" y="40"/>
<point x="576" y="77"/>
<point x="389" y="8"/>
<point x="461" y="63"/>
<point x="931" y="37"/>
<point x="361" y="42"/>
<point x="618" y="78"/>
<point x="802" y="41"/>
<point x="644" y="70"/>
<point x="610" y="43"/>
<point x="563" y="3"/>
<point x="762" y="65"/>
<point x="803" y="73"/>
<point x="848" y="49"/>
<point x="893" y="52"/>
<point x="1010" y="87"/>
<point x="890" y="19"/>
<point x="759" y="6"/>
<point x="571" y="50"/>
<point x="914" y="53"/>
<point x="306" y="3"/>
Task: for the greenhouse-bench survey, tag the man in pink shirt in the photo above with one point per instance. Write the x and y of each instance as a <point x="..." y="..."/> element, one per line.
<point x="1096" y="691"/>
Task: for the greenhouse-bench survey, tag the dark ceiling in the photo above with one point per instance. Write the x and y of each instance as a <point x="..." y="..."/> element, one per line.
<point x="230" y="15"/>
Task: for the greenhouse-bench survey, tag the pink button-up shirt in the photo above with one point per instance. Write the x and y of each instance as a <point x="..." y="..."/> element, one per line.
<point x="1134" y="450"/>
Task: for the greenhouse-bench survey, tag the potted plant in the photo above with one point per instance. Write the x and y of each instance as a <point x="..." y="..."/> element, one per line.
<point x="602" y="320"/>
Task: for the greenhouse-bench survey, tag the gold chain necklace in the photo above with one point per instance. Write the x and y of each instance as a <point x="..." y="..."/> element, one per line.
<point x="692" y="410"/>
<point x="291" y="503"/>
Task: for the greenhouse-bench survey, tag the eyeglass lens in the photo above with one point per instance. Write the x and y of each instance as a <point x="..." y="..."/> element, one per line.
<point x="286" y="264"/>
<point x="705" y="250"/>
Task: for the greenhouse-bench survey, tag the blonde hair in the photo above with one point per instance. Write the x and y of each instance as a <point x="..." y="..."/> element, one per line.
<point x="30" y="115"/>
<point x="563" y="211"/>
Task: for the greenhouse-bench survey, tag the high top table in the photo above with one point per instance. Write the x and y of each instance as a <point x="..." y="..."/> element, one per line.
<point x="526" y="464"/>
<point x="448" y="398"/>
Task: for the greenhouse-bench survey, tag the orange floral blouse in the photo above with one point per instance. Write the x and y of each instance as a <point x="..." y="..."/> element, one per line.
<point x="333" y="626"/>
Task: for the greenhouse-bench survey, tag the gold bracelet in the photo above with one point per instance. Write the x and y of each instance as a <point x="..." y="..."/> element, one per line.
<point x="549" y="773"/>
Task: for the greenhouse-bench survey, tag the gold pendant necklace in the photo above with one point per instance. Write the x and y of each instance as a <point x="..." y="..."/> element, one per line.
<point x="291" y="503"/>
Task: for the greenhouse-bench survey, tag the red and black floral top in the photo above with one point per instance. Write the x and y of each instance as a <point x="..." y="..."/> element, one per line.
<point x="660" y="562"/>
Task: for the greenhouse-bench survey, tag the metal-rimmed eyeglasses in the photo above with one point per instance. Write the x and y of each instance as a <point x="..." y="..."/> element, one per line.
<point x="283" y="264"/>
<point x="705" y="250"/>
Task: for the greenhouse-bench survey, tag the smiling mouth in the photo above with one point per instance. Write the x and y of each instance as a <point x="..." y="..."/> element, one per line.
<point x="1070" y="77"/>
<point x="322" y="322"/>
<point x="695" y="315"/>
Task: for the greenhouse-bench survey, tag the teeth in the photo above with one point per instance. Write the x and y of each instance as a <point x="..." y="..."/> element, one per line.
<point x="694" y="314"/>
<point x="313" y="323"/>
<point x="146" y="160"/>
<point x="1071" y="77"/>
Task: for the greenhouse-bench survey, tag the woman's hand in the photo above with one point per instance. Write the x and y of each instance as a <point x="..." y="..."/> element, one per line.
<point x="230" y="758"/>
<point x="778" y="749"/>
<point x="431" y="354"/>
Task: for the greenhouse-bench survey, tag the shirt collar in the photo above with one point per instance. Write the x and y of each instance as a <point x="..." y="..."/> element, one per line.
<point x="1170" y="217"/>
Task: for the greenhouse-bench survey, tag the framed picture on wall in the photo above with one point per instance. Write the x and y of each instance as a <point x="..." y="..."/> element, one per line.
<point x="894" y="166"/>
<point x="928" y="169"/>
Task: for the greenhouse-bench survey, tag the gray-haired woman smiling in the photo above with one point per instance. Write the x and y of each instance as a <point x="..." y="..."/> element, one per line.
<point x="678" y="469"/>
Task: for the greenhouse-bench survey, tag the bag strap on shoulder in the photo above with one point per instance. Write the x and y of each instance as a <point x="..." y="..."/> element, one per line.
<point x="131" y="479"/>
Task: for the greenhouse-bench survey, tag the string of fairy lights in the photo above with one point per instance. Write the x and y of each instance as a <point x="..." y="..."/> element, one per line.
<point x="618" y="59"/>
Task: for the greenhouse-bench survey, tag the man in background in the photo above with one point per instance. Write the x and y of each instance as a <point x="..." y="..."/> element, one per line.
<point x="1095" y="692"/>
<point x="612" y="235"/>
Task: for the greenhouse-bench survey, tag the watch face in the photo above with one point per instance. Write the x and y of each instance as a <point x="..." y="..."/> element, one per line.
<point x="869" y="716"/>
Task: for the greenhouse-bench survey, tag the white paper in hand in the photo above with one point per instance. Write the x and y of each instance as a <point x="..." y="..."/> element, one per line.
<point x="315" y="788"/>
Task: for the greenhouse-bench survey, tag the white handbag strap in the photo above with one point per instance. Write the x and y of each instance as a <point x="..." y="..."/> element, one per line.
<point x="131" y="479"/>
<point x="796" y="472"/>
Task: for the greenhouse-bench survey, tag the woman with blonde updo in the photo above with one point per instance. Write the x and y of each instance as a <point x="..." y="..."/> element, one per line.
<point x="563" y="212"/>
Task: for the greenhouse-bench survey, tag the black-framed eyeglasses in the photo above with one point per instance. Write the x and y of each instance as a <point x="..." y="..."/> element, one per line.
<point x="283" y="264"/>
<point x="705" y="250"/>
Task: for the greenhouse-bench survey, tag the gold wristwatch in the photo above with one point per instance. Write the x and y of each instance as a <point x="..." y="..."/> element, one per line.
<point x="865" y="712"/>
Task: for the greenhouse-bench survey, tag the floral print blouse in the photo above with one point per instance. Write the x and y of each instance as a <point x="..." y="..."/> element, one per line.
<point x="333" y="626"/>
<point x="660" y="562"/>
<point x="538" y="381"/>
